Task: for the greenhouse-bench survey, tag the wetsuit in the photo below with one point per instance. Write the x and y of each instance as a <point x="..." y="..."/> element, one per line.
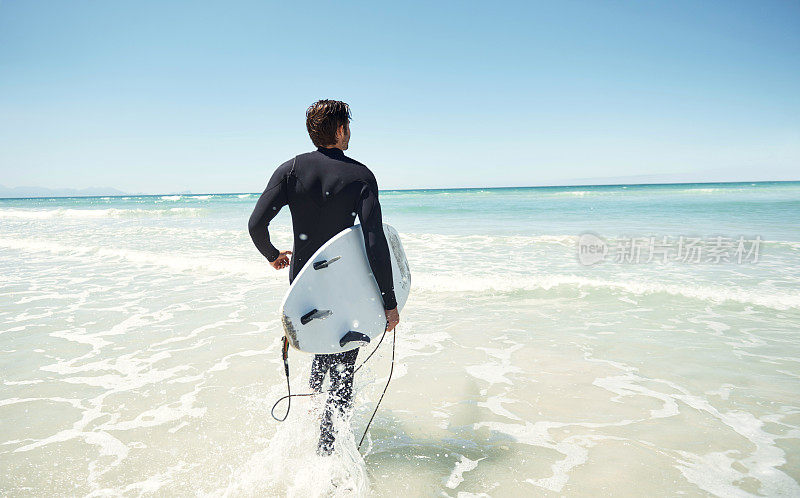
<point x="325" y="191"/>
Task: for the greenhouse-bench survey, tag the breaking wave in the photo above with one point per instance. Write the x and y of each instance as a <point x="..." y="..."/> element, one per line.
<point x="40" y="214"/>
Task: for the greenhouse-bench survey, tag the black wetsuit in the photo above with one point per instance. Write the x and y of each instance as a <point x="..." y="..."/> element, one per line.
<point x="325" y="191"/>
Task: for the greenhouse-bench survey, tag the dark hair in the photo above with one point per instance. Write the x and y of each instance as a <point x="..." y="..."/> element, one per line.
<point x="323" y="118"/>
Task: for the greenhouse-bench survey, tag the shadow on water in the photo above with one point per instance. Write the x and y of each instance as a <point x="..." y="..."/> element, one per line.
<point x="400" y="459"/>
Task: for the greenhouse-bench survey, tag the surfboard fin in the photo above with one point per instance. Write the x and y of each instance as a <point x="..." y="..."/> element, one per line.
<point x="353" y="336"/>
<point x="314" y="314"/>
<point x="318" y="265"/>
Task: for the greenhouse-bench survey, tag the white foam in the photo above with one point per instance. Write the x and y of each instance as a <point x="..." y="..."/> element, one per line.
<point x="13" y="401"/>
<point x="40" y="214"/>
<point x="289" y="465"/>
<point x="710" y="472"/>
<point x="178" y="427"/>
<point x="157" y="481"/>
<point x="175" y="262"/>
<point x="163" y="414"/>
<point x="224" y="363"/>
<point x="444" y="241"/>
<point x="105" y="442"/>
<point x="495" y="405"/>
<point x="21" y="383"/>
<point x="438" y="283"/>
<point x="574" y="193"/>
<point x="575" y="448"/>
<point x="462" y="466"/>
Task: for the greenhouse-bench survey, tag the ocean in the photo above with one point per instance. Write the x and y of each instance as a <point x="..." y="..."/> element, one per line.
<point x="639" y="340"/>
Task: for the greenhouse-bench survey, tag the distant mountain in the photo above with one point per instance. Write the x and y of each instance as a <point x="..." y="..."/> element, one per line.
<point x="56" y="192"/>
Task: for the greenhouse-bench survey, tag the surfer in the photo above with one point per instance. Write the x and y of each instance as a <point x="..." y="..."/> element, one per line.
<point x="326" y="191"/>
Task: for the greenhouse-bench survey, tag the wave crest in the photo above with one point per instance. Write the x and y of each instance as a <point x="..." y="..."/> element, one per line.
<point x="41" y="214"/>
<point x="505" y="284"/>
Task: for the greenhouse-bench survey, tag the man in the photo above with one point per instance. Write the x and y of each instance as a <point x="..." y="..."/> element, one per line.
<point x="325" y="191"/>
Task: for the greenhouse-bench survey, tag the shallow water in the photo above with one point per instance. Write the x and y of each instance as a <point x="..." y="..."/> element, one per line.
<point x="139" y="350"/>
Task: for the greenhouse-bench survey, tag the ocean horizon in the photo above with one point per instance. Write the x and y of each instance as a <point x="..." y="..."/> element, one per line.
<point x="428" y="189"/>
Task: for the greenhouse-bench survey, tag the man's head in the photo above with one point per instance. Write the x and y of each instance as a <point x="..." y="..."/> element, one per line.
<point x="328" y="123"/>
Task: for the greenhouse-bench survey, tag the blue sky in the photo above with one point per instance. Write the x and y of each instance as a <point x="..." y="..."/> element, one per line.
<point x="155" y="97"/>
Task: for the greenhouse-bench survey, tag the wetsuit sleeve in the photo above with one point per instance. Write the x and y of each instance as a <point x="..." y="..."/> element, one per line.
<point x="267" y="207"/>
<point x="369" y="213"/>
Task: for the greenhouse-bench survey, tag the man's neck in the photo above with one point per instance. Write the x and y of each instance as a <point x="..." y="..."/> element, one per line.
<point x="331" y="148"/>
<point x="332" y="152"/>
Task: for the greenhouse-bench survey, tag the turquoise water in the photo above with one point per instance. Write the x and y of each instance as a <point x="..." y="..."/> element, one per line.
<point x="139" y="349"/>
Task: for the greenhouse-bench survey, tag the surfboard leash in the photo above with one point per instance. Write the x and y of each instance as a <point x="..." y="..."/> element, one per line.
<point x="391" y="371"/>
<point x="285" y="356"/>
<point x="289" y="395"/>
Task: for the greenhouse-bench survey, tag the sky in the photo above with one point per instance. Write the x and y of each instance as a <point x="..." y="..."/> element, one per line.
<point x="157" y="97"/>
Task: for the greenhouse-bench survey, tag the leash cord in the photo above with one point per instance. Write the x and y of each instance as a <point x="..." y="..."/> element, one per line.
<point x="391" y="370"/>
<point x="289" y="395"/>
<point x="288" y="406"/>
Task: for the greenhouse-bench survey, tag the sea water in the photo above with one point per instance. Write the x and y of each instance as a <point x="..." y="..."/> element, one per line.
<point x="593" y="340"/>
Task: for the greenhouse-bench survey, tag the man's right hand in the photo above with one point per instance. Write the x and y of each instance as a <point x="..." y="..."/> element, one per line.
<point x="282" y="261"/>
<point x="392" y="319"/>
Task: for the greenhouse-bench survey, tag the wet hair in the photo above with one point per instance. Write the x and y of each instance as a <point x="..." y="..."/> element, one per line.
<point x="323" y="118"/>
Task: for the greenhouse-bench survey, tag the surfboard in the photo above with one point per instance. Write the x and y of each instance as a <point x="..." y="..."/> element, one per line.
<point x="334" y="304"/>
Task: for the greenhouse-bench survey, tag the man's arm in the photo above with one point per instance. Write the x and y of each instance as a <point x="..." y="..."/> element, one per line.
<point x="369" y="212"/>
<point x="267" y="207"/>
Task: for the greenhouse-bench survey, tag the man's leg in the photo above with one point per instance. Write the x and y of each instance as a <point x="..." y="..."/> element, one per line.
<point x="341" y="373"/>
<point x="319" y="367"/>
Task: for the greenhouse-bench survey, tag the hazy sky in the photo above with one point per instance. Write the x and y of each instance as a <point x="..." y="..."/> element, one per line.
<point x="151" y="96"/>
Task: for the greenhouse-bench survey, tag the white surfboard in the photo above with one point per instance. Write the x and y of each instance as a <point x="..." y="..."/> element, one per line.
<point x="334" y="303"/>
